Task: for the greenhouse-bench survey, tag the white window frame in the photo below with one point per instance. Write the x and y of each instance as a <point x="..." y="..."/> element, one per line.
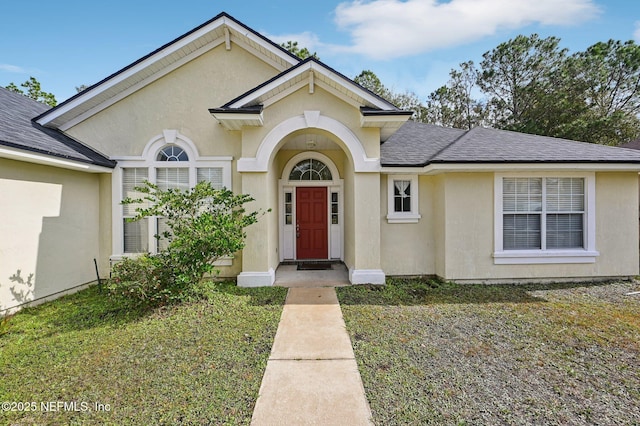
<point x="412" y="216"/>
<point x="587" y="254"/>
<point x="148" y="160"/>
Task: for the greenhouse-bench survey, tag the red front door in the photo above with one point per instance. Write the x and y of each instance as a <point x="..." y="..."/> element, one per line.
<point x="311" y="226"/>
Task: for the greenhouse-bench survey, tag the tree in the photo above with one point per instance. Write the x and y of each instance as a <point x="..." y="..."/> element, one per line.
<point x="302" y="53"/>
<point x="408" y="101"/>
<point x="514" y="73"/>
<point x="453" y="105"/>
<point x="34" y="91"/>
<point x="204" y="224"/>
<point x="609" y="76"/>
<point x="370" y="81"/>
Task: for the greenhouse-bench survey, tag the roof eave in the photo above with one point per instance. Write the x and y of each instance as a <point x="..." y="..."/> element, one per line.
<point x="51" y="117"/>
<point x="388" y="121"/>
<point x="435" y="167"/>
<point x="237" y="118"/>
<point x="8" y="151"/>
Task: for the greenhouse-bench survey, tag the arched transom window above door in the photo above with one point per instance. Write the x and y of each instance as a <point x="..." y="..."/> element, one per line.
<point x="310" y="169"/>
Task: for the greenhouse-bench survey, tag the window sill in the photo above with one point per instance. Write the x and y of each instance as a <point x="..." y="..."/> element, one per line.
<point x="403" y="218"/>
<point x="530" y="257"/>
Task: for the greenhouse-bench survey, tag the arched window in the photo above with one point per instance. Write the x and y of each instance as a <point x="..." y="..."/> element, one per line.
<point x="172" y="153"/>
<point x="169" y="161"/>
<point x="310" y="169"/>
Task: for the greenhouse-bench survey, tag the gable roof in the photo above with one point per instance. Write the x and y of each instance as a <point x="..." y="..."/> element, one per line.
<point x="323" y="75"/>
<point x="247" y="108"/>
<point x="17" y="131"/>
<point x="420" y="145"/>
<point x="222" y="29"/>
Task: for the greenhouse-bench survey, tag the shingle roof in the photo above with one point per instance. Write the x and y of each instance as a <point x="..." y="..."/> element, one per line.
<point x="18" y="131"/>
<point x="417" y="144"/>
<point x="634" y="144"/>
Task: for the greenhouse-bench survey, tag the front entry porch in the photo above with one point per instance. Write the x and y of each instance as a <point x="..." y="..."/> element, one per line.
<point x="323" y="194"/>
<point x="288" y="275"/>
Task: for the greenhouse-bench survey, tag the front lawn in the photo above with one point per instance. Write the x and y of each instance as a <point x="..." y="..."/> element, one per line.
<point x="87" y="359"/>
<point x="435" y="353"/>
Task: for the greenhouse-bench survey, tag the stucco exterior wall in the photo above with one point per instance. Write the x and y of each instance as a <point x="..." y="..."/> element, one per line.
<point x="469" y="235"/>
<point x="349" y="216"/>
<point x="104" y="234"/>
<point x="180" y="100"/>
<point x="50" y="221"/>
<point x="410" y="248"/>
<point x="366" y="196"/>
<point x="439" y="225"/>
<point x="300" y="101"/>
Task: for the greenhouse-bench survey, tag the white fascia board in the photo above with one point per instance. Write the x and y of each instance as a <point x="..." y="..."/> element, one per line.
<point x="513" y="167"/>
<point x="267" y="46"/>
<point x="310" y="66"/>
<point x="381" y="120"/>
<point x="267" y="88"/>
<point x="158" y="56"/>
<point x="365" y="94"/>
<point x="106" y="104"/>
<point x="32" y="157"/>
<point x="235" y="121"/>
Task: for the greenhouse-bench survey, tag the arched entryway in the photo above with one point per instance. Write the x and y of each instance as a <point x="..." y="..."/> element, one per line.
<point x="311" y="203"/>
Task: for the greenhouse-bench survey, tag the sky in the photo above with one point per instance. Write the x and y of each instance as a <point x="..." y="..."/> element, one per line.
<point x="411" y="45"/>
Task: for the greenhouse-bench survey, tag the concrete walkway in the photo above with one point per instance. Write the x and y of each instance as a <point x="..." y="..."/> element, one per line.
<point x="311" y="377"/>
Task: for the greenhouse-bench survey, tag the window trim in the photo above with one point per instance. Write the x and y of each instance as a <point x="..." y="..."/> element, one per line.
<point x="148" y="160"/>
<point x="587" y="254"/>
<point x="412" y="216"/>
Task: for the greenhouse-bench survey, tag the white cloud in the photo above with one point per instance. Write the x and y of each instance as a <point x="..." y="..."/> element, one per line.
<point x="305" y="39"/>
<point x="385" y="29"/>
<point x="12" y="68"/>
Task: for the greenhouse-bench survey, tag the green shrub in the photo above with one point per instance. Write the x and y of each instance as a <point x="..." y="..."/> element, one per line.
<point x="204" y="225"/>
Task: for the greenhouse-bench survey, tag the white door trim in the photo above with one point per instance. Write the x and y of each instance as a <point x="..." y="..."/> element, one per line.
<point x="286" y="233"/>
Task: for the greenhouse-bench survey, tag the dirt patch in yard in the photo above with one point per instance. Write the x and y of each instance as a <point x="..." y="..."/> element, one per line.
<point x="556" y="354"/>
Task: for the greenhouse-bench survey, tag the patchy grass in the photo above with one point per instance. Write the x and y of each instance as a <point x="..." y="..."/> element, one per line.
<point x="196" y="363"/>
<point x="438" y="353"/>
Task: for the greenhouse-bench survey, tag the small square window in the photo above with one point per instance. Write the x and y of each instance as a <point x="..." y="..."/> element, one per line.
<point x="403" y="199"/>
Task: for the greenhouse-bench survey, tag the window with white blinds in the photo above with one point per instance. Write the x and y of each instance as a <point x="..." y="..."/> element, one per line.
<point x="172" y="178"/>
<point x="543" y="213"/>
<point x="168" y="166"/>
<point x="136" y="234"/>
<point x="212" y="175"/>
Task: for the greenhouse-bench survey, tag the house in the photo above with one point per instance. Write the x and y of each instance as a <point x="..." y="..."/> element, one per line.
<point x="51" y="213"/>
<point x="347" y="176"/>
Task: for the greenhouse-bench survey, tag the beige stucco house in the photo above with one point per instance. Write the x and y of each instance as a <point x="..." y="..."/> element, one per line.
<point x="347" y="176"/>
